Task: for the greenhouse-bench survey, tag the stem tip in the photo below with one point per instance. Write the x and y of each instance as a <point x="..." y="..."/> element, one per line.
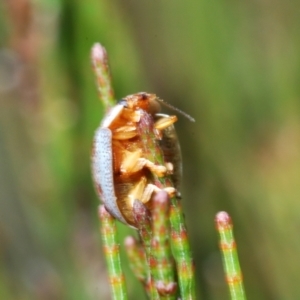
<point x="223" y="220"/>
<point x="129" y="241"/>
<point x="98" y="52"/>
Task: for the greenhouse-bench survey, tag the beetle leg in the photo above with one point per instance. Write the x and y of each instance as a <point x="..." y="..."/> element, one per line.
<point x="130" y="161"/>
<point x="170" y="167"/>
<point x="158" y="170"/>
<point x="137" y="191"/>
<point x="148" y="191"/>
<point x="171" y="191"/>
<point x="124" y="132"/>
<point x="133" y="162"/>
<point x="151" y="188"/>
<point x="165" y="122"/>
<point x="129" y="131"/>
<point x="126" y="203"/>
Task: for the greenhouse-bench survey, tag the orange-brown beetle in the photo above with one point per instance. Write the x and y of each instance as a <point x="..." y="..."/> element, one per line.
<point x="121" y="171"/>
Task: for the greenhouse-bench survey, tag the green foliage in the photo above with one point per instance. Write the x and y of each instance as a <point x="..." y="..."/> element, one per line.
<point x="233" y="65"/>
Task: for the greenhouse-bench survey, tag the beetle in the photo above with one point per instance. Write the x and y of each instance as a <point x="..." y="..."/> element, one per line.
<point x="121" y="170"/>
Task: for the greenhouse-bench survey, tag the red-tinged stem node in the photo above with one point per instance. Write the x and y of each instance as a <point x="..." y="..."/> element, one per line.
<point x="112" y="254"/>
<point x="233" y="272"/>
<point x="223" y="220"/>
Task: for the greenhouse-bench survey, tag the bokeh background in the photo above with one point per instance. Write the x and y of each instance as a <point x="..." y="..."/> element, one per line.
<point x="233" y="65"/>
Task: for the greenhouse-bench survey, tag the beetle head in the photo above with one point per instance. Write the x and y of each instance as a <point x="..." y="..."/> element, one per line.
<point x="142" y="100"/>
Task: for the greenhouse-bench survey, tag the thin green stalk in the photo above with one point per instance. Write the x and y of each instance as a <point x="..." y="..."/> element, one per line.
<point x="108" y="227"/>
<point x="112" y="254"/>
<point x="182" y="252"/>
<point x="143" y="221"/>
<point x="137" y="259"/>
<point x="163" y="266"/>
<point x="231" y="263"/>
<point x="179" y="240"/>
<point x="103" y="78"/>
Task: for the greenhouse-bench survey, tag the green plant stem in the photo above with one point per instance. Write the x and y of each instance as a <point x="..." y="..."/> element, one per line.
<point x="162" y="266"/>
<point x="143" y="220"/>
<point x="137" y="259"/>
<point x="160" y="273"/>
<point x="182" y="252"/>
<point x="179" y="239"/>
<point x="103" y="78"/>
<point x="233" y="272"/>
<point x="112" y="254"/>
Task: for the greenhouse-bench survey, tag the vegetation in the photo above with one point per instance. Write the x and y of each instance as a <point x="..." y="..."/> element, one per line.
<point x="232" y="65"/>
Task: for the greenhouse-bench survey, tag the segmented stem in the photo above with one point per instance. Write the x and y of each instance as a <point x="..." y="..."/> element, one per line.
<point x="103" y="78"/>
<point x="179" y="240"/>
<point x="158" y="275"/>
<point x="143" y="220"/>
<point x="162" y="264"/>
<point x="182" y="251"/>
<point x="112" y="254"/>
<point x="233" y="272"/>
<point x="137" y="259"/>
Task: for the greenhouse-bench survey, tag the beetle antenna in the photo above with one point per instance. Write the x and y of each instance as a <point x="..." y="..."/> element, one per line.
<point x="163" y="102"/>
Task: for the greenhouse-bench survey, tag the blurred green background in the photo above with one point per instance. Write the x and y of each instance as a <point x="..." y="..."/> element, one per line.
<point x="233" y="65"/>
